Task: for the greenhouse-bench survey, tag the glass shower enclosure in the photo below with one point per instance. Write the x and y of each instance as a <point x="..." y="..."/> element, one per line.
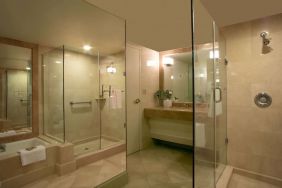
<point x="84" y="98"/>
<point x="210" y="99"/>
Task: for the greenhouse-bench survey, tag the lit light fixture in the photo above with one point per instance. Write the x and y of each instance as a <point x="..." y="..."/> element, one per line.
<point x="111" y="69"/>
<point x="168" y="61"/>
<point x="202" y="75"/>
<point x="87" y="47"/>
<point x="172" y="77"/>
<point x="214" y="54"/>
<point x="27" y="68"/>
<point x="151" y="63"/>
<point x="58" y="62"/>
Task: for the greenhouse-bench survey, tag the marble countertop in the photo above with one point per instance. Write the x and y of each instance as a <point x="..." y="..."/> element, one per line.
<point x="169" y="113"/>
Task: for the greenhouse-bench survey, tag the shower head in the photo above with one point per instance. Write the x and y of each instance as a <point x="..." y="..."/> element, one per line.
<point x="265" y="38"/>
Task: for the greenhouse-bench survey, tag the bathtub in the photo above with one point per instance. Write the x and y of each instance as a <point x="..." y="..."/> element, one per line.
<point x="13" y="147"/>
<point x="13" y="174"/>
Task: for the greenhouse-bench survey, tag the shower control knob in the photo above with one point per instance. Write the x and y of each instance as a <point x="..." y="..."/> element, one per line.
<point x="137" y="101"/>
<point x="263" y="100"/>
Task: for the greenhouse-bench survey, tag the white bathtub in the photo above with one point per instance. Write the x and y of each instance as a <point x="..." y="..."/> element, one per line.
<point x="13" y="147"/>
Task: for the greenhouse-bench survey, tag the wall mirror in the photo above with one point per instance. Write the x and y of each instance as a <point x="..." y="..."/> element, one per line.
<point x="175" y="73"/>
<point x="18" y="112"/>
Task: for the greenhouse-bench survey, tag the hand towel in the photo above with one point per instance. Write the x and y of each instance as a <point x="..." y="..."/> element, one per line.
<point x="38" y="153"/>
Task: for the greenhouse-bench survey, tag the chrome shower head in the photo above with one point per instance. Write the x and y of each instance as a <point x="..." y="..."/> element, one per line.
<point x="265" y="38"/>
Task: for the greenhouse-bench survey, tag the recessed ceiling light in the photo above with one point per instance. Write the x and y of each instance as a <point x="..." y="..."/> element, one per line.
<point x="87" y="47"/>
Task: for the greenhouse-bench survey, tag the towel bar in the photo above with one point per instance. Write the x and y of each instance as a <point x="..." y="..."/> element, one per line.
<point x="82" y="102"/>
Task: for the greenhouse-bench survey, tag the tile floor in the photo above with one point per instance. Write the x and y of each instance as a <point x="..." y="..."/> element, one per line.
<point x="160" y="166"/>
<point x="88" y="176"/>
<point x="239" y="181"/>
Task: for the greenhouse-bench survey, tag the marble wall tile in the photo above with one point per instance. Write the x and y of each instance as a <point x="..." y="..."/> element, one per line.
<point x="254" y="133"/>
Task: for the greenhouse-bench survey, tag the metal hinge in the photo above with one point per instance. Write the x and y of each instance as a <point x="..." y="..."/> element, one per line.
<point x="226" y="140"/>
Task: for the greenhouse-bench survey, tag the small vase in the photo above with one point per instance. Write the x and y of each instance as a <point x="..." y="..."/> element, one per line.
<point x="167" y="103"/>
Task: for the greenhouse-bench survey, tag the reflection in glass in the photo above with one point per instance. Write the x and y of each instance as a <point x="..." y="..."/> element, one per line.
<point x="15" y="88"/>
<point x="178" y="76"/>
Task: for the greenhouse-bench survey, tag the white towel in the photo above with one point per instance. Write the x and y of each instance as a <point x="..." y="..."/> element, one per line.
<point x="8" y="133"/>
<point x="116" y="99"/>
<point x="200" y="135"/>
<point x="36" y="154"/>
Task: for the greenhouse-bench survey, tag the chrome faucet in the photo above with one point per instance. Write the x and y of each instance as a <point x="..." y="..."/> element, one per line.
<point x="2" y="148"/>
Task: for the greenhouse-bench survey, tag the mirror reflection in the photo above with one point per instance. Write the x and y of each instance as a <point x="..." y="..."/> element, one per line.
<point x="15" y="89"/>
<point x="177" y="70"/>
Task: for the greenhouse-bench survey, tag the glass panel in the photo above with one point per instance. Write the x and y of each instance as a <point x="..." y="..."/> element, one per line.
<point x="204" y="124"/>
<point x="81" y="91"/>
<point x="15" y="88"/>
<point x="53" y="93"/>
<point x="112" y="86"/>
<point x="220" y="103"/>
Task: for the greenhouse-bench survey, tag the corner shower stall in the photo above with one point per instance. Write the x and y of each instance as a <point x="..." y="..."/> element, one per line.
<point x="84" y="98"/>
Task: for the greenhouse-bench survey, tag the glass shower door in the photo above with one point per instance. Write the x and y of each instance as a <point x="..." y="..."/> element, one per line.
<point x="53" y="94"/>
<point x="112" y="90"/>
<point x="210" y="99"/>
<point x="81" y="91"/>
<point x="204" y="103"/>
<point x="221" y="141"/>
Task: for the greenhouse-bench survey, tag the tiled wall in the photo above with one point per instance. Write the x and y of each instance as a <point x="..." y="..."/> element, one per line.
<point x="255" y="134"/>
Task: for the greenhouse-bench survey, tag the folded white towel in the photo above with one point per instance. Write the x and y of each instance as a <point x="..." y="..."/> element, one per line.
<point x="8" y="133"/>
<point x="38" y="153"/>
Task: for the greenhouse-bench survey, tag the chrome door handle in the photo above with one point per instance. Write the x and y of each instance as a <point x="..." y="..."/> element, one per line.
<point x="220" y="95"/>
<point x="137" y="101"/>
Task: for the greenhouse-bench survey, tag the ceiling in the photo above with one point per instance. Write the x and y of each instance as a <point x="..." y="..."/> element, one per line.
<point x="156" y="24"/>
<point x="228" y="12"/>
<point x="55" y="23"/>
<point x="166" y="24"/>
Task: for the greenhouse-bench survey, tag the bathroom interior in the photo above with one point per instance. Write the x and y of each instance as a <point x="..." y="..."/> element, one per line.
<point x="85" y="104"/>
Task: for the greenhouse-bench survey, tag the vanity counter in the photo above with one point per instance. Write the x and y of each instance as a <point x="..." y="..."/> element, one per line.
<point x="169" y="113"/>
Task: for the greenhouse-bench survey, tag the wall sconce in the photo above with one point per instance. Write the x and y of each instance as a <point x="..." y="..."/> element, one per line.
<point x="168" y="61"/>
<point x="151" y="63"/>
<point x="111" y="69"/>
<point x="214" y="54"/>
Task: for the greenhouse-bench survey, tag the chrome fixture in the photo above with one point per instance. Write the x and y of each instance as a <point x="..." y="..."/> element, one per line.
<point x="265" y="38"/>
<point x="81" y="102"/>
<point x="2" y="148"/>
<point x="263" y="100"/>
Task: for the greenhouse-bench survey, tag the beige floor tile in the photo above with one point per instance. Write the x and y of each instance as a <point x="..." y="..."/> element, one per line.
<point x="239" y="181"/>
